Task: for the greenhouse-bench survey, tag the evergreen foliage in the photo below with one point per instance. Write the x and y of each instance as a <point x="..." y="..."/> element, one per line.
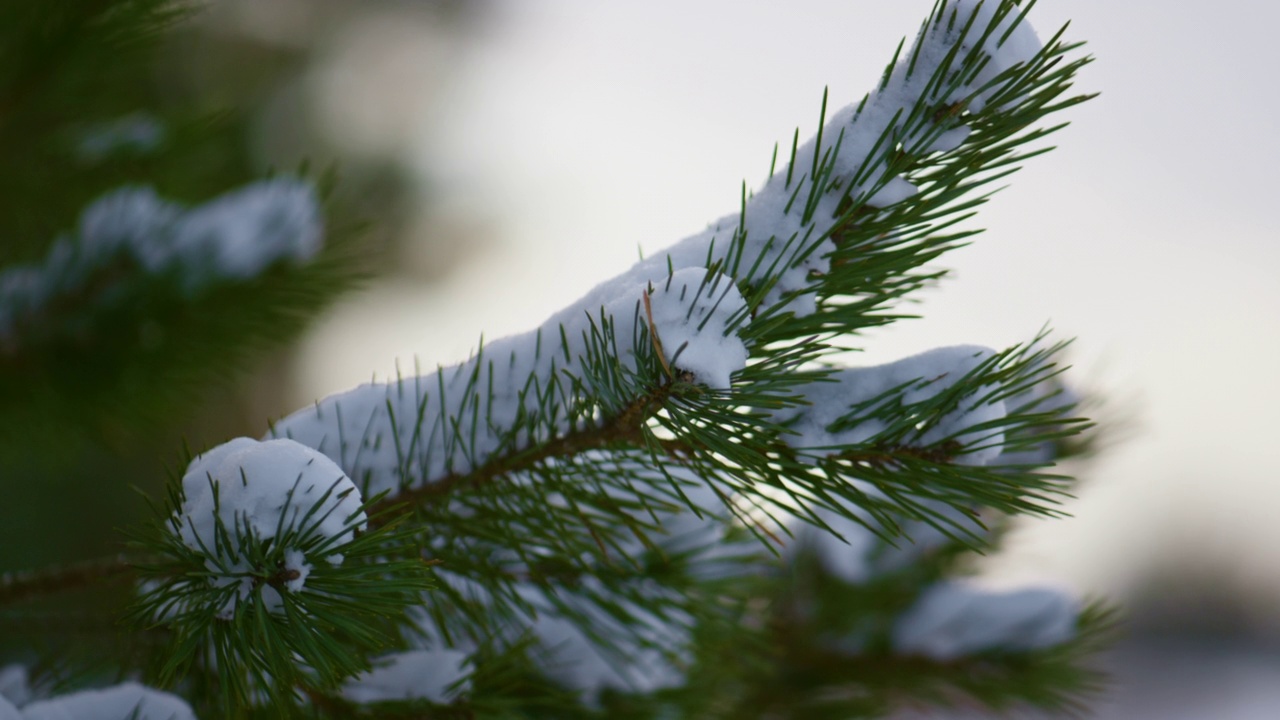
<point x="673" y="499"/>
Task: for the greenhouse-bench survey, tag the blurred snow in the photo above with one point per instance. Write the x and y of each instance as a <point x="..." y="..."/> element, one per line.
<point x="957" y="618"/>
<point x="126" y="700"/>
<point x="1172" y="678"/>
<point x="415" y="674"/>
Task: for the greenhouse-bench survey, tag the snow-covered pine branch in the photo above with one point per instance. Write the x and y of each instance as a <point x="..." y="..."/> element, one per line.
<point x="244" y="494"/>
<point x="778" y="252"/>
<point x="127" y="700"/>
<point x="608" y="490"/>
<point x="528" y="389"/>
<point x="131" y="239"/>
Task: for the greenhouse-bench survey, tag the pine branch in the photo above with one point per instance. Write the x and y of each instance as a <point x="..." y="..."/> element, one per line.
<point x="624" y="428"/>
<point x="672" y="497"/>
<point x="25" y="586"/>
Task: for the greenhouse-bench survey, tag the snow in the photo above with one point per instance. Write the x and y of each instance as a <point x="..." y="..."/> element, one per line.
<point x="411" y="675"/>
<point x="853" y="407"/>
<point x="843" y="550"/>
<point x="1020" y="46"/>
<point x="636" y="657"/>
<point x="8" y="711"/>
<point x="296" y="564"/>
<point x="953" y="619"/>
<point x="235" y="237"/>
<point x="1047" y="396"/>
<point x="137" y="133"/>
<point x="129" y="221"/>
<point x="15" y="685"/>
<point x="851" y="552"/>
<point x="695" y="335"/>
<point x="241" y="233"/>
<point x="776" y="232"/>
<point x="127" y="700"/>
<point x="997" y="54"/>
<point x="258" y="490"/>
<point x="640" y="656"/>
<point x="416" y="430"/>
<point x="843" y="407"/>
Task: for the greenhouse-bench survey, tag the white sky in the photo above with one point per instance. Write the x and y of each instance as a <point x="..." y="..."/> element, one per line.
<point x="578" y="131"/>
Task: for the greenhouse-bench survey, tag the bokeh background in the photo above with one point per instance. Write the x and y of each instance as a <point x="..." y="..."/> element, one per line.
<point x="512" y="154"/>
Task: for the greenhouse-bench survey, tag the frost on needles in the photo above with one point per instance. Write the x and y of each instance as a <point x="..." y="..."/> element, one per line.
<point x="602" y="491"/>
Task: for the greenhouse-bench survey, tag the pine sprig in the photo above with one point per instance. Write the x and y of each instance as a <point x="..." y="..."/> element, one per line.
<point x="278" y="640"/>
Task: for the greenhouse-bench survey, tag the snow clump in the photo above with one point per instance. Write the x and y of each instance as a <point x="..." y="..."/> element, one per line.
<point x="127" y="700"/>
<point x="414" y="431"/>
<point x="15" y="685"/>
<point x="953" y="619"/>
<point x="411" y="675"/>
<point x="849" y="550"/>
<point x="137" y="133"/>
<point x="239" y="234"/>
<point x="843" y="406"/>
<point x="257" y="491"/>
<point x="636" y="657"/>
<point x="235" y="237"/>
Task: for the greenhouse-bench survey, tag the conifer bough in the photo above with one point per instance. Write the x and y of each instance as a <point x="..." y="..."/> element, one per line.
<point x="673" y="498"/>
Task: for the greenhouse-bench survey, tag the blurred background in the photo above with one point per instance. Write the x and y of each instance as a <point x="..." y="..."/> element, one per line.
<point x="512" y="154"/>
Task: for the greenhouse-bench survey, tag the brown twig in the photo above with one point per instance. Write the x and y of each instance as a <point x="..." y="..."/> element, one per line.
<point x="19" y="586"/>
<point x="623" y="427"/>
<point x="942" y="453"/>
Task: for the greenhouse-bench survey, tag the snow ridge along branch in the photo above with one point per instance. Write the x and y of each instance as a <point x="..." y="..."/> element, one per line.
<point x="804" y="258"/>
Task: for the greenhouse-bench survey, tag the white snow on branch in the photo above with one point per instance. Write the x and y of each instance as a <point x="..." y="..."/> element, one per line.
<point x="637" y="657"/>
<point x="417" y="430"/>
<point x="588" y="648"/>
<point x="589" y="636"/>
<point x="1047" y="396"/>
<point x="127" y="700"/>
<point x="1009" y="41"/>
<point x="233" y="237"/>
<point x="413" y="431"/>
<point x="848" y="550"/>
<point x="246" y="491"/>
<point x="579" y="645"/>
<point x="137" y="133"/>
<point x="411" y="675"/>
<point x="15" y="684"/>
<point x="853" y="406"/>
<point x="954" y="619"/>
<point x="240" y="234"/>
<point x="782" y="232"/>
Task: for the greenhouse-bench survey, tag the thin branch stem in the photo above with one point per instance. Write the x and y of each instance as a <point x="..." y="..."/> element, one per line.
<point x="624" y="427"/>
<point x="24" y="585"/>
